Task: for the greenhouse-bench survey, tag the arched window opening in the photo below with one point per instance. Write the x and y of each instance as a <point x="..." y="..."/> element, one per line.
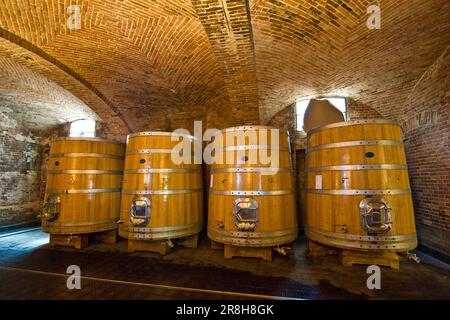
<point x="82" y="128"/>
<point x="301" y="105"/>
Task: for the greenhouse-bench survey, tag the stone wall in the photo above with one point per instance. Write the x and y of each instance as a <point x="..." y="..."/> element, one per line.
<point x="20" y="173"/>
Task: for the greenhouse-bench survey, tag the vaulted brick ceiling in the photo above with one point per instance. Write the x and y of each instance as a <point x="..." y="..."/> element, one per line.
<point x="34" y="101"/>
<point x="144" y="58"/>
<point x="323" y="47"/>
<point x="137" y="62"/>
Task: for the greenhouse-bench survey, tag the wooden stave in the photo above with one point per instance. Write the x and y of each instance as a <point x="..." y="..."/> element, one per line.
<point x="402" y="227"/>
<point x="355" y="132"/>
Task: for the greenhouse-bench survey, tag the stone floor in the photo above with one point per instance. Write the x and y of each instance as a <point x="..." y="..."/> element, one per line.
<point x="30" y="269"/>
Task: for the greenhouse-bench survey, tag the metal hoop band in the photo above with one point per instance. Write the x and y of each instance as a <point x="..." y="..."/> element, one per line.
<point x="250" y="169"/>
<point x="159" y="133"/>
<point x="247" y="128"/>
<point x="144" y="151"/>
<point x="162" y="170"/>
<point x="85" y="172"/>
<point x="358" y="167"/>
<point x="345" y="236"/>
<point x="355" y="144"/>
<point x="352" y="123"/>
<point x="353" y="192"/>
<point x="250" y="193"/>
<point x="160" y="233"/>
<point x="84" y="155"/>
<point x="88" y="140"/>
<point x="163" y="229"/>
<point x="76" y="191"/>
<point x="252" y="238"/>
<point x="250" y="147"/>
<point x="163" y="192"/>
<point x="393" y="243"/>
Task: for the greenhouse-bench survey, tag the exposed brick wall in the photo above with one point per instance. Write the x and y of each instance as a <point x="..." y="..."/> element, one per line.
<point x="381" y="67"/>
<point x="357" y="110"/>
<point x="216" y="115"/>
<point x="426" y="126"/>
<point x="20" y="174"/>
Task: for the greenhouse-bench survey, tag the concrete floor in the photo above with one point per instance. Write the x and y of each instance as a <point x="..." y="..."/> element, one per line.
<point x="30" y="269"/>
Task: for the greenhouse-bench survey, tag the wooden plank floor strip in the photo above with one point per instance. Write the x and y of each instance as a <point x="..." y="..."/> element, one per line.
<point x="158" y="286"/>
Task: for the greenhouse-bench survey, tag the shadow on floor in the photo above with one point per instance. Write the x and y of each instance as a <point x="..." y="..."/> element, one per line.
<point x="30" y="269"/>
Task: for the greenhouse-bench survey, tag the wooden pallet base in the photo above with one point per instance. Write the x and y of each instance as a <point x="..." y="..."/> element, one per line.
<point x="216" y="245"/>
<point x="349" y="258"/>
<point x="230" y="251"/>
<point x="80" y="241"/>
<point x="77" y="241"/>
<point x="188" y="242"/>
<point x="162" y="246"/>
<point x="106" y="237"/>
<point x="315" y="249"/>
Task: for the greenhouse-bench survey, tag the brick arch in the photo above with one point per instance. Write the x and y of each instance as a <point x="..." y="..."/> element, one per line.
<point x="36" y="102"/>
<point x="49" y="58"/>
<point x="137" y="57"/>
<point x="66" y="88"/>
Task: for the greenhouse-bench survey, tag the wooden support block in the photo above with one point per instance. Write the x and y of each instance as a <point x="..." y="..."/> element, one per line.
<point x="160" y="247"/>
<point x="250" y="252"/>
<point x="349" y="258"/>
<point x="316" y="249"/>
<point x="188" y="242"/>
<point x="106" y="236"/>
<point x="216" y="245"/>
<point x="76" y="241"/>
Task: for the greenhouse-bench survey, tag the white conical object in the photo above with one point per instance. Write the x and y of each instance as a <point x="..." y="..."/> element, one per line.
<point x="320" y="113"/>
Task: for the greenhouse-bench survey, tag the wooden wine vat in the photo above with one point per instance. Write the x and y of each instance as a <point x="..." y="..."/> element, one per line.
<point x="358" y="194"/>
<point x="161" y="200"/>
<point x="251" y="207"/>
<point x="83" y="187"/>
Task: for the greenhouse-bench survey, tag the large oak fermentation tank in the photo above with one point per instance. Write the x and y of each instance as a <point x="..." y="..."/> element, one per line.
<point x="251" y="206"/>
<point x="358" y="193"/>
<point x="83" y="186"/>
<point x="161" y="200"/>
